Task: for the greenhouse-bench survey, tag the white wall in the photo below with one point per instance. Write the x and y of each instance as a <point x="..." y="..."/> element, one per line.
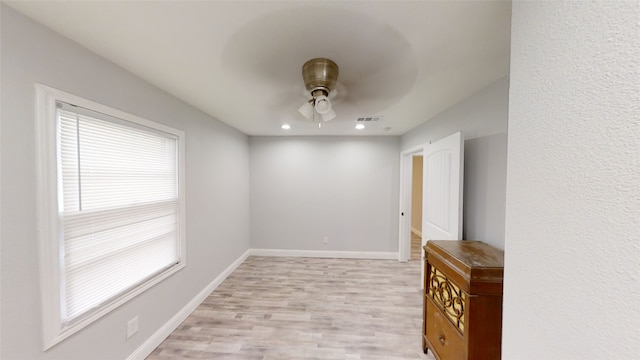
<point x="305" y="188"/>
<point x="573" y="198"/>
<point x="482" y="118"/>
<point x="217" y="173"/>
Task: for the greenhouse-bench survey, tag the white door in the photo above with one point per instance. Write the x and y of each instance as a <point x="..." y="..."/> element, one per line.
<point x="442" y="189"/>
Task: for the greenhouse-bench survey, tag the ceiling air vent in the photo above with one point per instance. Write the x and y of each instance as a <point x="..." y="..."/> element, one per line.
<point x="369" y="118"/>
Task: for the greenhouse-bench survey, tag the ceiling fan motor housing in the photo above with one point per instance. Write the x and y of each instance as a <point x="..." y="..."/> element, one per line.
<point x="320" y="74"/>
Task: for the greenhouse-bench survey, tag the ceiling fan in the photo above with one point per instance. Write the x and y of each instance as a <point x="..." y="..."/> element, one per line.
<point x="320" y="76"/>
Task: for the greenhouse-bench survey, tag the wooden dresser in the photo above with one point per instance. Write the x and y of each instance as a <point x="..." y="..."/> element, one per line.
<point x="462" y="300"/>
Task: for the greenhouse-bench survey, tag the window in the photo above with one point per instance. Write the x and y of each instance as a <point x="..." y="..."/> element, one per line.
<point x="112" y="205"/>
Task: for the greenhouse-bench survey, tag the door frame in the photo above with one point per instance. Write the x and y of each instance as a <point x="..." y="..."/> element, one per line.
<point x="406" y="173"/>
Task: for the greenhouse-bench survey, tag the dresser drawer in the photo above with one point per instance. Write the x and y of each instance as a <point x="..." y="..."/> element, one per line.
<point x="444" y="338"/>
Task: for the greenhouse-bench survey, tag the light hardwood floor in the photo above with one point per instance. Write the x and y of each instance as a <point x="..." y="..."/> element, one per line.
<point x="306" y="308"/>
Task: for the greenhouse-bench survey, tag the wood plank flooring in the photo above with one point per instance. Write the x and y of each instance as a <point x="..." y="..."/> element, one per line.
<point x="306" y="308"/>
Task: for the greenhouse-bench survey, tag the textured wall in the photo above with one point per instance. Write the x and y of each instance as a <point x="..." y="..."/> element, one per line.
<point x="217" y="187"/>
<point x="573" y="196"/>
<point x="305" y="188"/>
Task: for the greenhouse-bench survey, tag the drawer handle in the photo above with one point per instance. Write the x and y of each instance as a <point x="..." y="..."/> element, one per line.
<point x="441" y="338"/>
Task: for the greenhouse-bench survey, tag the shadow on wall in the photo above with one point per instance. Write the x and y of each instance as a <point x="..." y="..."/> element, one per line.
<point x="485" y="178"/>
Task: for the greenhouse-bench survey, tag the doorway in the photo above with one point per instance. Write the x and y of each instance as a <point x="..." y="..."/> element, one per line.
<point x="408" y="233"/>
<point x="441" y="218"/>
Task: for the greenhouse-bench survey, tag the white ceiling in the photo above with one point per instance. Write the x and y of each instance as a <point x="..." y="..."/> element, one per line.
<point x="240" y="62"/>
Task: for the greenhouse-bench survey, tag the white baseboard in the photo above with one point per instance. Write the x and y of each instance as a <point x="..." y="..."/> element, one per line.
<point x="416" y="231"/>
<point x="158" y="337"/>
<point x="326" y="254"/>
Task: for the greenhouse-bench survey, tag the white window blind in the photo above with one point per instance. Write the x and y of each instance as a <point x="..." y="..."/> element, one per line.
<point x="118" y="207"/>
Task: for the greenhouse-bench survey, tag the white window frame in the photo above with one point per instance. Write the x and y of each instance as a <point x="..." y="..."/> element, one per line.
<point x="50" y="242"/>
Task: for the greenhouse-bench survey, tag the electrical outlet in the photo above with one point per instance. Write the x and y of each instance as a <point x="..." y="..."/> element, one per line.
<point x="325" y="239"/>
<point x="132" y="327"/>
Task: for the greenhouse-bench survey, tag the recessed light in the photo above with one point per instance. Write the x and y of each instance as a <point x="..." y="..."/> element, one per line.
<point x="286" y="126"/>
<point x="360" y="126"/>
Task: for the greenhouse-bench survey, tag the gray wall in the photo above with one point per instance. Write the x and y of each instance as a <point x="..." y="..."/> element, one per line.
<point x="485" y="168"/>
<point x="305" y="188"/>
<point x="481" y="114"/>
<point x="217" y="188"/>
<point x="572" y="285"/>
<point x="482" y="118"/>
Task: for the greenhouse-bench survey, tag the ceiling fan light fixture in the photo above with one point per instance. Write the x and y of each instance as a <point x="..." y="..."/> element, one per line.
<point x="323" y="105"/>
<point x="320" y="76"/>
<point x="320" y="73"/>
<point x="306" y="110"/>
<point x="329" y="116"/>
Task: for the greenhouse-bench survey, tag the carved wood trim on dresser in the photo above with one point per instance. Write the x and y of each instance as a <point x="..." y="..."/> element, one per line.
<point x="462" y="310"/>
